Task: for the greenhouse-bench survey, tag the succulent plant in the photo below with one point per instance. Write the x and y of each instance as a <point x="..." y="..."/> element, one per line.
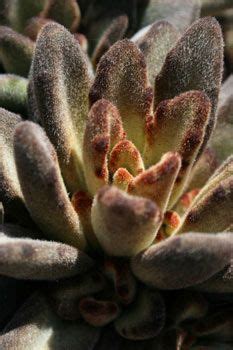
<point x="117" y="191"/>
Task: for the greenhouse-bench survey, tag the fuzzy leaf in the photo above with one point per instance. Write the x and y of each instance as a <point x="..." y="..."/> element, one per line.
<point x="122" y="179"/>
<point x="118" y="271"/>
<point x="222" y="282"/>
<point x="10" y="191"/>
<point x="187" y="306"/>
<point x="190" y="111"/>
<point x="26" y="258"/>
<point x="125" y="155"/>
<point x="35" y="326"/>
<point x="98" y="313"/>
<point x="65" y="296"/>
<point x="82" y="203"/>
<point x="183" y="261"/>
<point x="222" y="140"/>
<point x="42" y="185"/>
<point x="34" y="26"/>
<point x="181" y="13"/>
<point x="103" y="130"/>
<point x="155" y="45"/>
<point x="16" y="51"/>
<point x="156" y="183"/>
<point x="202" y="170"/>
<point x="124" y="224"/>
<point x="212" y="209"/>
<point x="58" y="96"/>
<point x="66" y="13"/>
<point x="145" y="319"/>
<point x="195" y="63"/>
<point x="122" y="79"/>
<point x="216" y="326"/>
<point x="113" y="33"/>
<point x="20" y="11"/>
<point x="13" y="93"/>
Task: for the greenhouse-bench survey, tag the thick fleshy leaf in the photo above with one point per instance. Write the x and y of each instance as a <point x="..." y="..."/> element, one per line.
<point x="125" y="155"/>
<point x="213" y="8"/>
<point x="187" y="306"/>
<point x="124" y="224"/>
<point x="183" y="261"/>
<point x="98" y="313"/>
<point x="16" y="52"/>
<point x="113" y="33"/>
<point x="65" y="296"/>
<point x="222" y="282"/>
<point x="26" y="258"/>
<point x="35" y="326"/>
<point x="82" y="203"/>
<point x="66" y="13"/>
<point x="42" y="185"/>
<point x="13" y="93"/>
<point x="181" y="13"/>
<point x="118" y="271"/>
<point x="58" y="97"/>
<point x="155" y="45"/>
<point x="10" y="191"/>
<point x="216" y="326"/>
<point x="122" y="79"/>
<point x="20" y="11"/>
<point x="145" y="319"/>
<point x="190" y="111"/>
<point x="122" y="179"/>
<point x="103" y="130"/>
<point x="222" y="140"/>
<point x="156" y="183"/>
<point x="212" y="209"/>
<point x="202" y="170"/>
<point x="195" y="63"/>
<point x="34" y="25"/>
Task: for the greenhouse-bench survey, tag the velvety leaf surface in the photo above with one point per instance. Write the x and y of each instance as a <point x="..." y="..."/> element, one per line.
<point x="212" y="209"/>
<point x="222" y="282"/>
<point x="136" y="221"/>
<point x="19" y="11"/>
<point x="103" y="130"/>
<point x="125" y="155"/>
<point x="26" y="258"/>
<point x="181" y="13"/>
<point x="42" y="185"/>
<point x="10" y="192"/>
<point x="113" y="33"/>
<point x="203" y="169"/>
<point x="195" y="63"/>
<point x="122" y="79"/>
<point x="145" y="319"/>
<point x="13" y="93"/>
<point x="66" y="13"/>
<point x="222" y="140"/>
<point x="156" y="183"/>
<point x="66" y="295"/>
<point x="155" y="45"/>
<point x="35" y="326"/>
<point x="16" y="51"/>
<point x="58" y="97"/>
<point x="189" y="111"/>
<point x="183" y="261"/>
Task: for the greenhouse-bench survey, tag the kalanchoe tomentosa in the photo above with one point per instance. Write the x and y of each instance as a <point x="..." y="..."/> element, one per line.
<point x="113" y="198"/>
